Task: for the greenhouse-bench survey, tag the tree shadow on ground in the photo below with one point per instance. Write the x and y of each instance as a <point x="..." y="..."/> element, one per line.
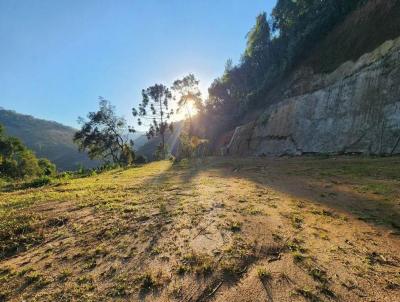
<point x="281" y="175"/>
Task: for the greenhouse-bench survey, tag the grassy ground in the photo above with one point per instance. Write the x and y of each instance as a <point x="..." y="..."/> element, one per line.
<point x="218" y="229"/>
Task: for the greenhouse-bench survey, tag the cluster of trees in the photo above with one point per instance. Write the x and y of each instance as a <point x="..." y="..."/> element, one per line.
<point x="104" y="135"/>
<point x="17" y="161"/>
<point x="274" y="46"/>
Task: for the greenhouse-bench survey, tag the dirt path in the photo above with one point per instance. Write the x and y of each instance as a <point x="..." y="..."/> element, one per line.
<point x="216" y="230"/>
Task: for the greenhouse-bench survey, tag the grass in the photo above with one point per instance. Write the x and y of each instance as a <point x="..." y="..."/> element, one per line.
<point x="20" y="229"/>
<point x="160" y="228"/>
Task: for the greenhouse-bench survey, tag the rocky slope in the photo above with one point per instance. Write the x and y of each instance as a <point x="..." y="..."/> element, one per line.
<point x="355" y="109"/>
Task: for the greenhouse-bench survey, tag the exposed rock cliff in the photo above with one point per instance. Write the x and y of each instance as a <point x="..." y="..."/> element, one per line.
<point x="355" y="109"/>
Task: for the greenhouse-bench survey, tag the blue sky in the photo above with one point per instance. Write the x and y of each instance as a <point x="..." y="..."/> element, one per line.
<point x="58" y="56"/>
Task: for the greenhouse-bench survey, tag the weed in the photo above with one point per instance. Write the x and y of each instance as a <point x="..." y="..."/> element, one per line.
<point x="297" y="221"/>
<point x="37" y="279"/>
<point x="318" y="275"/>
<point x="57" y="221"/>
<point x="296" y="246"/>
<point x="25" y="271"/>
<point x="147" y="282"/>
<point x="308" y="294"/>
<point x="264" y="274"/>
<point x="163" y="209"/>
<point x="231" y="268"/>
<point x="235" y="226"/>
<point x="325" y="290"/>
<point x="118" y="290"/>
<point x="84" y="280"/>
<point x="298" y="257"/>
<point x="182" y="269"/>
<point x="64" y="275"/>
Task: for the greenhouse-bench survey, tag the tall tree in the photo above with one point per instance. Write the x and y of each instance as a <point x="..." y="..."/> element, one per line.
<point x="258" y="50"/>
<point x="103" y="135"/>
<point x="157" y="98"/>
<point x="189" y="96"/>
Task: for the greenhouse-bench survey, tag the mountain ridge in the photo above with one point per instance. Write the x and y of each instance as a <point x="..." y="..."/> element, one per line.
<point x="49" y="139"/>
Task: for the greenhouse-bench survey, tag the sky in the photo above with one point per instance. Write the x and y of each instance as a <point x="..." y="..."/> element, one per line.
<point x="58" y="56"/>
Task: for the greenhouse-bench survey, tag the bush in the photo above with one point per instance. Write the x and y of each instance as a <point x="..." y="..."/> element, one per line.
<point x="17" y="161"/>
<point x="39" y="182"/>
<point x="47" y="167"/>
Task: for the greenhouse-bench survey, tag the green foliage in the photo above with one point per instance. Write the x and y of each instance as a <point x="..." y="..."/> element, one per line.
<point x="16" y="161"/>
<point x="47" y="167"/>
<point x="273" y="49"/>
<point x="103" y="136"/>
<point x="39" y="182"/>
<point x="155" y="109"/>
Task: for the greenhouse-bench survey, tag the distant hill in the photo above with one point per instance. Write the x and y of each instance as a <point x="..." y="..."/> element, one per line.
<point x="47" y="139"/>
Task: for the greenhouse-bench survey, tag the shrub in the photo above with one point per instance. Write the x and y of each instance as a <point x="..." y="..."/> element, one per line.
<point x="47" y="167"/>
<point x="39" y="182"/>
<point x="16" y="161"/>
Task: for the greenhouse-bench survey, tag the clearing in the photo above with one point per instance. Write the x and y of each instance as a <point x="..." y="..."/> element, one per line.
<point x="216" y="229"/>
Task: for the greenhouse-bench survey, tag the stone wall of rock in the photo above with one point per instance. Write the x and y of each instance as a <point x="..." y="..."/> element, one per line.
<point x="355" y="109"/>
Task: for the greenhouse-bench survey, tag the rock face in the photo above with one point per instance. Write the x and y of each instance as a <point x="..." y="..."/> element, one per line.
<point x="355" y="109"/>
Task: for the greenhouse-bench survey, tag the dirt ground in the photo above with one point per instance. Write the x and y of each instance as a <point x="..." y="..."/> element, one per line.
<point x="215" y="229"/>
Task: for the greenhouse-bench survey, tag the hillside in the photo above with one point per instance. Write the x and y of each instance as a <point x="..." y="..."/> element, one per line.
<point x="220" y="229"/>
<point x="47" y="139"/>
<point x="330" y="83"/>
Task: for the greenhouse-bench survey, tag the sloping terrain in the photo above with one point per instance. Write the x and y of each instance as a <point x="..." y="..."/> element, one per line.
<point x="47" y="139"/>
<point x="227" y="229"/>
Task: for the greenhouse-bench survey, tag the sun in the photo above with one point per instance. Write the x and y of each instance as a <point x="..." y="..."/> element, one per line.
<point x="185" y="112"/>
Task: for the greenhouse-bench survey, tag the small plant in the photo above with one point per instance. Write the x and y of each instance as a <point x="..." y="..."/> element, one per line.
<point x="230" y="268"/>
<point x="182" y="269"/>
<point x="24" y="271"/>
<point x="298" y="257"/>
<point x="57" y="221"/>
<point x="118" y="290"/>
<point x="264" y="274"/>
<point x="163" y="209"/>
<point x="90" y="263"/>
<point x="37" y="279"/>
<point x="297" y="221"/>
<point x="64" y="275"/>
<point x="319" y="275"/>
<point x="147" y="282"/>
<point x="205" y="267"/>
<point x="308" y="294"/>
<point x="32" y="277"/>
<point x="325" y="290"/>
<point x="235" y="226"/>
